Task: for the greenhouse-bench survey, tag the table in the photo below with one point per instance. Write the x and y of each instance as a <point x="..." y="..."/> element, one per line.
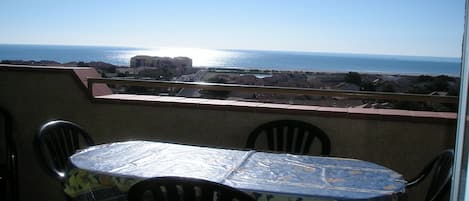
<point x="113" y="168"/>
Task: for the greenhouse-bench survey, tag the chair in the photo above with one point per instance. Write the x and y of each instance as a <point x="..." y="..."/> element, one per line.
<point x="8" y="170"/>
<point x="184" y="189"/>
<point x="442" y="169"/>
<point x="290" y="136"/>
<point x="58" y="140"/>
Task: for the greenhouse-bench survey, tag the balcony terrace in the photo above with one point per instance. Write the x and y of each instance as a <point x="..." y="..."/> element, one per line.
<point x="399" y="139"/>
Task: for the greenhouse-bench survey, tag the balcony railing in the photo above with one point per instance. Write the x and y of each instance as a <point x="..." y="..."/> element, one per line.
<point x="276" y="90"/>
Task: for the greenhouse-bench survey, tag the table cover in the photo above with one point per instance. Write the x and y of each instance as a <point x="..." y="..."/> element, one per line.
<point x="114" y="168"/>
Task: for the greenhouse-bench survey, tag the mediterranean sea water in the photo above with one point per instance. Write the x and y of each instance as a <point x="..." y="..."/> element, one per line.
<point x="246" y="59"/>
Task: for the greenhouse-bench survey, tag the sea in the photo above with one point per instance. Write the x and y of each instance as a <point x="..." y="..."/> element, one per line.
<point x="244" y="59"/>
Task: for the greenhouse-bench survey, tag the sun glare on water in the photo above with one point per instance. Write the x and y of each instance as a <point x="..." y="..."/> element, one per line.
<point x="200" y="57"/>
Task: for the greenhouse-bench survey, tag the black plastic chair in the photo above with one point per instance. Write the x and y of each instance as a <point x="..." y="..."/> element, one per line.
<point x="290" y="136"/>
<point x="184" y="189"/>
<point x="8" y="171"/>
<point x="442" y="169"/>
<point x="58" y="140"/>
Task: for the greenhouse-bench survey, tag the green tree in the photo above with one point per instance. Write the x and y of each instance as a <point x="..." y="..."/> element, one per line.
<point x="388" y="88"/>
<point x="82" y="64"/>
<point x="353" y="77"/>
<point x="367" y="86"/>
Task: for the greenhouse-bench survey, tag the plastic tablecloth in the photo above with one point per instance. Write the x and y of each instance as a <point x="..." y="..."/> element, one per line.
<point x="109" y="170"/>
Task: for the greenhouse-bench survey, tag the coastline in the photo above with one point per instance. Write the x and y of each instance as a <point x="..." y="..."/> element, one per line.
<point x="254" y="70"/>
<point x="244" y="59"/>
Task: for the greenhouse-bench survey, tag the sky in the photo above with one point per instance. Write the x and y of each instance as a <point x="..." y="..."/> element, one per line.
<point x="397" y="27"/>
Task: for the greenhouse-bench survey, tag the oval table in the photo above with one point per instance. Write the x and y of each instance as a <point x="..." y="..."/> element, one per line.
<point x="106" y="172"/>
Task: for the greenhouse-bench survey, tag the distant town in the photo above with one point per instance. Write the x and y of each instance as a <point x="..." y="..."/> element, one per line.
<point x="181" y="69"/>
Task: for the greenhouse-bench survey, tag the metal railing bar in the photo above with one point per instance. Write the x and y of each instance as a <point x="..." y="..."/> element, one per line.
<point x="272" y="89"/>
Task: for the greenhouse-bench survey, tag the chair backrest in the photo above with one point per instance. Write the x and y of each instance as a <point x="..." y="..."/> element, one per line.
<point x="58" y="140"/>
<point x="290" y="136"/>
<point x="184" y="189"/>
<point x="441" y="169"/>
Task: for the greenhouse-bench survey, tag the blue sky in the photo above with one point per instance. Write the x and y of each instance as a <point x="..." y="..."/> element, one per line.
<point x="401" y="27"/>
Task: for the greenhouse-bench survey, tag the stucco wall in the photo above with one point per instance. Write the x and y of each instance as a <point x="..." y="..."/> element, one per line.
<point x="36" y="96"/>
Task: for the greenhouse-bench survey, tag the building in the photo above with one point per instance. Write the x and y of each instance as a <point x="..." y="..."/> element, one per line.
<point x="158" y="62"/>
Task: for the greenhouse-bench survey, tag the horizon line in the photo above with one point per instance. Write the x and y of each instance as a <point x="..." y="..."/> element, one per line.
<point x="237" y="49"/>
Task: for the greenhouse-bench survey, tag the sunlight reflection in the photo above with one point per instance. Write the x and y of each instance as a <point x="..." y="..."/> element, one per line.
<point x="200" y="57"/>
